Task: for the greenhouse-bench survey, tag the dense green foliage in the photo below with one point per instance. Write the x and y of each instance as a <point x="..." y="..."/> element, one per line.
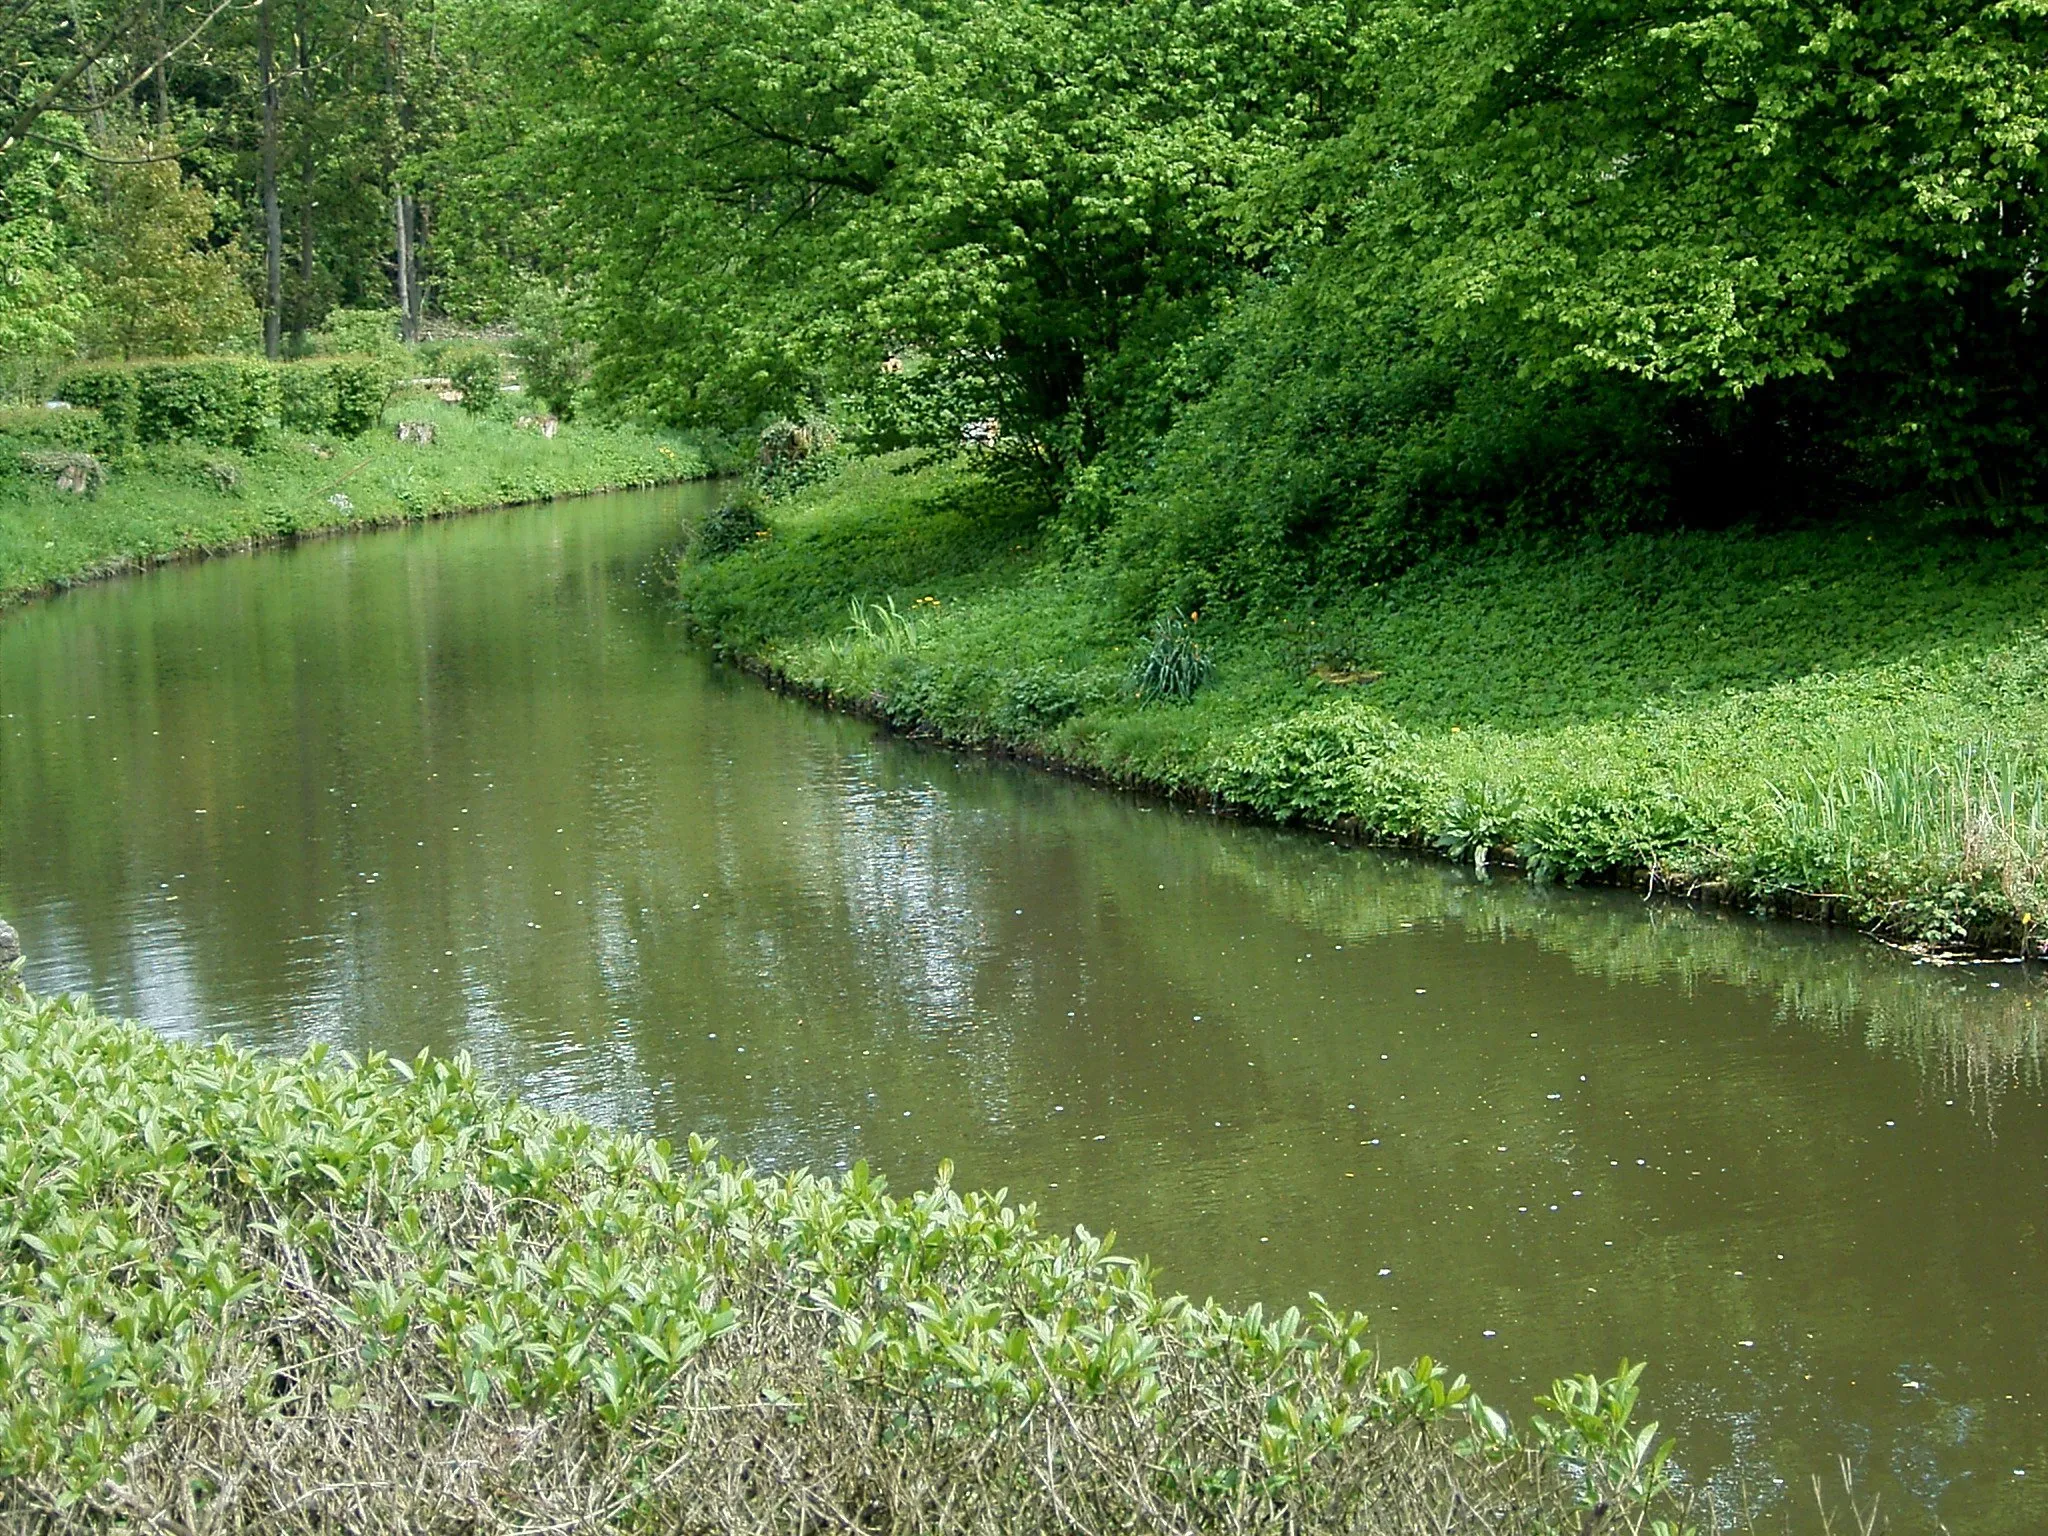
<point x="1346" y="327"/>
<point x="162" y="164"/>
<point x="735" y="522"/>
<point x="476" y="372"/>
<point x="554" y="362"/>
<point x="179" y="497"/>
<point x="1816" y="722"/>
<point x="1267" y="291"/>
<point x="42" y="303"/>
<point x="229" y="402"/>
<point x="344" y="396"/>
<point x="530" y="1314"/>
<point x="82" y="428"/>
<point x="1009" y="188"/>
<point x="155" y="285"/>
<point x="1291" y="289"/>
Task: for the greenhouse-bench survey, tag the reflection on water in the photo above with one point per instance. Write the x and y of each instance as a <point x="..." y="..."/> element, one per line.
<point x="1973" y="1028"/>
<point x="462" y="787"/>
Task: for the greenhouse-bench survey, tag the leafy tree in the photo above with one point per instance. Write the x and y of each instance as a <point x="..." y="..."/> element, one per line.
<point x="42" y="298"/>
<point x="1816" y="232"/>
<point x="776" y="199"/>
<point x="156" y="283"/>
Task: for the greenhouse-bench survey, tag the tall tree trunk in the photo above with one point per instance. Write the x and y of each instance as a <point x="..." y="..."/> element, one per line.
<point x="401" y="205"/>
<point x="402" y="213"/>
<point x="161" y="84"/>
<point x="273" y="227"/>
<point x="302" y="314"/>
<point x="96" y="114"/>
<point x="423" y="288"/>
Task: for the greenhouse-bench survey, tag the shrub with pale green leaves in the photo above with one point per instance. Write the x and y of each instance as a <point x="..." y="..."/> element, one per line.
<point x="317" y="1295"/>
<point x="361" y="333"/>
<point x="478" y="374"/>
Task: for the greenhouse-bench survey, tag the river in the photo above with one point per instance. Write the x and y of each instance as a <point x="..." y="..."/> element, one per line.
<point x="465" y="787"/>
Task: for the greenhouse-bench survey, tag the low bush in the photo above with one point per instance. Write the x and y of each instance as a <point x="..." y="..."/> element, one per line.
<point x="299" y="1276"/>
<point x="795" y="454"/>
<point x="34" y="426"/>
<point x="342" y="396"/>
<point x="361" y="333"/>
<point x="478" y="373"/>
<point x="109" y="391"/>
<point x="737" y="520"/>
<point x="229" y="402"/>
<point x="554" y="361"/>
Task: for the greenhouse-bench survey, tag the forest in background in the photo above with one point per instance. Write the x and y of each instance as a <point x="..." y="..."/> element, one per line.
<point x="1410" y="272"/>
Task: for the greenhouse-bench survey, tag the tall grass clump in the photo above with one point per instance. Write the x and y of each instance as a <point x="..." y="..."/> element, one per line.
<point x="1174" y="664"/>
<point x="881" y="627"/>
<point x="1905" y="816"/>
<point x="247" y="1295"/>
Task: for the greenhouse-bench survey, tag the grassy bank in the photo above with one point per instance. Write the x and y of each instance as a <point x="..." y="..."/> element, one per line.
<point x="165" y="500"/>
<point x="1844" y="722"/>
<point x="242" y="1295"/>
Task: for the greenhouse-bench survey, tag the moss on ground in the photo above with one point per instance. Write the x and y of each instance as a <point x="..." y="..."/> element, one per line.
<point x="1847" y="722"/>
<point x="168" y="500"/>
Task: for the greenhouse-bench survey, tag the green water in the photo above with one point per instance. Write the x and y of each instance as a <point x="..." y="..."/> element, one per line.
<point x="464" y="787"/>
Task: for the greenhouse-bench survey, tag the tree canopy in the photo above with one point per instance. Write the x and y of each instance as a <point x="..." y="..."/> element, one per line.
<point x="1403" y="265"/>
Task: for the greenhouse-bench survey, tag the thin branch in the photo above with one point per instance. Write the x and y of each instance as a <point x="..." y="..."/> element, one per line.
<point x="36" y="110"/>
<point x="178" y="48"/>
<point x="30" y="115"/>
<point x="99" y="159"/>
<point x="853" y="179"/>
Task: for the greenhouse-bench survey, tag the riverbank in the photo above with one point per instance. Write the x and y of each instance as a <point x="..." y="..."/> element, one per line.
<point x="241" y="1292"/>
<point x="169" y="501"/>
<point x="1843" y="723"/>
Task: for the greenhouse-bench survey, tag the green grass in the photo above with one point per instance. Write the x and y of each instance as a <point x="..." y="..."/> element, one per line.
<point x="313" y="1295"/>
<point x="168" y="500"/>
<point x="1849" y="723"/>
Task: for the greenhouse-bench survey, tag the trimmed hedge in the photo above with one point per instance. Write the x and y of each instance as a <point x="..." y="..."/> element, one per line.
<point x="33" y="426"/>
<point x="344" y="396"/>
<point x="228" y="402"/>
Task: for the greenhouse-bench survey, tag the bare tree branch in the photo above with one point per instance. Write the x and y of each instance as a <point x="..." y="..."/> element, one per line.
<point x="97" y="158"/>
<point x="27" y="117"/>
<point x="850" y="178"/>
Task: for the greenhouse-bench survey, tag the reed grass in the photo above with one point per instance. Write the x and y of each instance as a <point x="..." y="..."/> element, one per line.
<point x="1981" y="809"/>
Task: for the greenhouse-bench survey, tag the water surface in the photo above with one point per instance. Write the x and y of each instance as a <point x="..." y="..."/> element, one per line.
<point x="464" y="787"/>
